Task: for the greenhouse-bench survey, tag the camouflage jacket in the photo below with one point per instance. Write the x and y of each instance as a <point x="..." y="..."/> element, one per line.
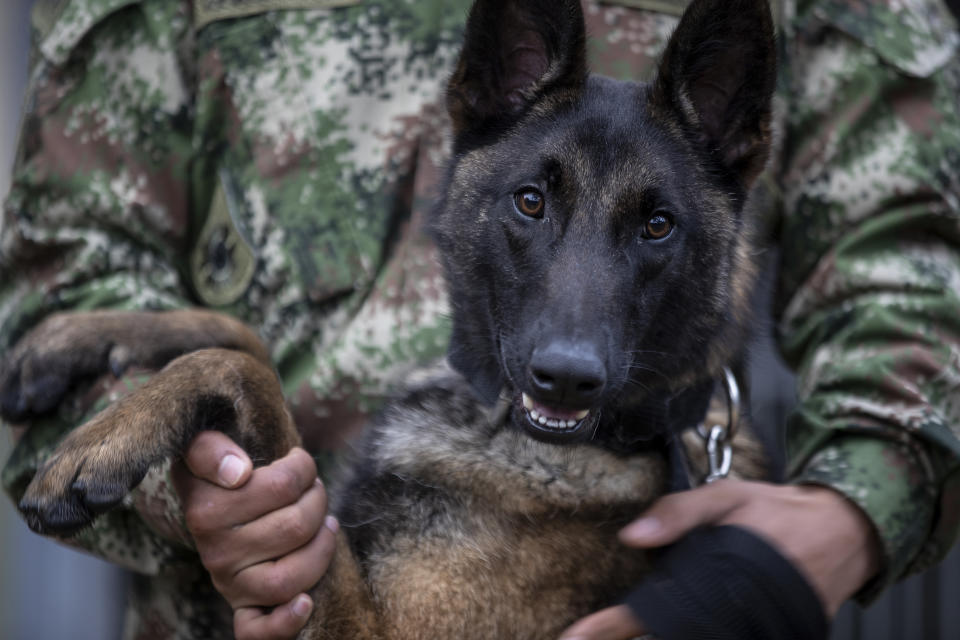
<point x="274" y="159"/>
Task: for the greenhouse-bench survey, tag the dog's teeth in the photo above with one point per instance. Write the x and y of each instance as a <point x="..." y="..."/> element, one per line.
<point x="548" y="421"/>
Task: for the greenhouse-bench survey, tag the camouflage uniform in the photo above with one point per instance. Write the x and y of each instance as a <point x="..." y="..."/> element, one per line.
<point x="273" y="159"/>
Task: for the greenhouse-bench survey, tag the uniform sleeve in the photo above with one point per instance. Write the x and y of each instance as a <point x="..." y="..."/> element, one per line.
<point x="97" y="217"/>
<point x="274" y="161"/>
<point x="869" y="293"/>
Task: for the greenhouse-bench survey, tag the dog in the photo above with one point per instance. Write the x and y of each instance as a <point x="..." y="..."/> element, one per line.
<point x="599" y="250"/>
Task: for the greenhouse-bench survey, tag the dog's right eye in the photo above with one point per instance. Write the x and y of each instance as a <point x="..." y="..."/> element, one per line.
<point x="658" y="227"/>
<point x="529" y="202"/>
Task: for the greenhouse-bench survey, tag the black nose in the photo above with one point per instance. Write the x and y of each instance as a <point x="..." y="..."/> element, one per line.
<point x="567" y="374"/>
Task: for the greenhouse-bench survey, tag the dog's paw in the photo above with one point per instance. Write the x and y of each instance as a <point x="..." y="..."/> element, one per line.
<point x="26" y="392"/>
<point x="50" y="361"/>
<point x="90" y="472"/>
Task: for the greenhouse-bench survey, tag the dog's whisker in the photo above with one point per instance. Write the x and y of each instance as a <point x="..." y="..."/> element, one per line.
<point x="638" y="352"/>
<point x="629" y="368"/>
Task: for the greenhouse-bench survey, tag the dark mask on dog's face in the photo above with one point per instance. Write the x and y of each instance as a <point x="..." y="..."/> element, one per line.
<point x="593" y="232"/>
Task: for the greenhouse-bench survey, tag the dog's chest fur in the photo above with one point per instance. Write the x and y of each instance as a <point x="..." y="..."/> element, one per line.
<point x="512" y="537"/>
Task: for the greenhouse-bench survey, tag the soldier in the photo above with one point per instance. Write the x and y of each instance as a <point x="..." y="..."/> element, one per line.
<point x="274" y="165"/>
<point x="273" y="160"/>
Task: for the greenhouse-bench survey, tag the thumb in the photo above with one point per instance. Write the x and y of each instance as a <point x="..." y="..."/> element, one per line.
<point x="675" y="515"/>
<point x="615" y="623"/>
<point x="214" y="457"/>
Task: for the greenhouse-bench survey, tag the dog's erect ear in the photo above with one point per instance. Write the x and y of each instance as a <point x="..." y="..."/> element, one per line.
<point x="717" y="76"/>
<point x="514" y="52"/>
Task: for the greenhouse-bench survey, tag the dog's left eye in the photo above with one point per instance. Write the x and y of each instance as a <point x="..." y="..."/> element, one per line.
<point x="529" y="202"/>
<point x="658" y="226"/>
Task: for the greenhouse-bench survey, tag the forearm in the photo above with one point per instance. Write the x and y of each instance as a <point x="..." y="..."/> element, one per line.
<point x="870" y="302"/>
<point x="875" y="417"/>
<point x="95" y="220"/>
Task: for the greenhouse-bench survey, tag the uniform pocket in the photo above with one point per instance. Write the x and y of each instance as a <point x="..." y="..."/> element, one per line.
<point x="273" y="110"/>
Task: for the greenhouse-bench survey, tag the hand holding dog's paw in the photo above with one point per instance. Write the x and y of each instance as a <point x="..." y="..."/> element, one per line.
<point x="263" y="533"/>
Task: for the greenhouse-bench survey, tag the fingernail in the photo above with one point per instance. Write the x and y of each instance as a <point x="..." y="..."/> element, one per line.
<point x="331" y="523"/>
<point x="302" y="606"/>
<point x="230" y="470"/>
<point x="643" y="528"/>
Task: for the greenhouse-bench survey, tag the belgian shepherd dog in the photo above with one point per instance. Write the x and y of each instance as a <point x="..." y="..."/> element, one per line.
<point x="598" y="247"/>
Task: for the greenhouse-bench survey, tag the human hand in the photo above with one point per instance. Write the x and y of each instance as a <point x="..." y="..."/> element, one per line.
<point x="827" y="538"/>
<point x="261" y="533"/>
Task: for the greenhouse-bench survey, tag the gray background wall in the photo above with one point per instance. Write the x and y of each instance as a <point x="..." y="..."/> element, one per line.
<point x="50" y="592"/>
<point x="46" y="591"/>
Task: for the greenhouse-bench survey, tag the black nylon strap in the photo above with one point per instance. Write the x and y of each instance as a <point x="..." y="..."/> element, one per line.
<point x="678" y="465"/>
<point x="725" y="583"/>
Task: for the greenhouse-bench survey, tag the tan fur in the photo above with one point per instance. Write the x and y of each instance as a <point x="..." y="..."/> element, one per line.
<point x="518" y="578"/>
<point x="344" y="605"/>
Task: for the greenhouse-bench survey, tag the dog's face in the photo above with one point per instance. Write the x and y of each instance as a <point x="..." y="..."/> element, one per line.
<point x="593" y="231"/>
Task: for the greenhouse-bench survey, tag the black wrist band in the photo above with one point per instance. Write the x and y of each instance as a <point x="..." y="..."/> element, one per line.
<point x="725" y="583"/>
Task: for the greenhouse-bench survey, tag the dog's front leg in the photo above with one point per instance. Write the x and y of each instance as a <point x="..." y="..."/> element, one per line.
<point x="67" y="349"/>
<point x="343" y="602"/>
<point x="98" y="463"/>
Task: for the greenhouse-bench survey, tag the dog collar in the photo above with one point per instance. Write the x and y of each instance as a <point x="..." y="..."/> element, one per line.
<point x="717" y="437"/>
